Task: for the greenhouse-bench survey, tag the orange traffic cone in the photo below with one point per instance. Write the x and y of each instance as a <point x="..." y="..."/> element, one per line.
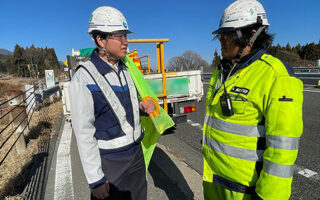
<point x="130" y="55"/>
<point x="136" y="60"/>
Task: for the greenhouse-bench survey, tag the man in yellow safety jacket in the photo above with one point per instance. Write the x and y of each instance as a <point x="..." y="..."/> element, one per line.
<point x="253" y="116"/>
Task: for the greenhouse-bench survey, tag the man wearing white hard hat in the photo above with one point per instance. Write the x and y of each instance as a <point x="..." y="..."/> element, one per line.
<point x="253" y="119"/>
<point x="105" y="113"/>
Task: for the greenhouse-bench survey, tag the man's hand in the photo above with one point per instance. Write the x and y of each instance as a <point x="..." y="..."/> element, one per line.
<point x="102" y="191"/>
<point x="147" y="107"/>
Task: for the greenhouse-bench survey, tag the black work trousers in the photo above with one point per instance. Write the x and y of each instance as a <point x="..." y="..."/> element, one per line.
<point x="127" y="177"/>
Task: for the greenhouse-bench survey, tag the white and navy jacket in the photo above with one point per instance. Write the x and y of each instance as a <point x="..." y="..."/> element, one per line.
<point x="96" y="123"/>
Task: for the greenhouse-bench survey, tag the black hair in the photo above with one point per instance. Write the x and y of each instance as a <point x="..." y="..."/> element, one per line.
<point x="96" y="33"/>
<point x="263" y="41"/>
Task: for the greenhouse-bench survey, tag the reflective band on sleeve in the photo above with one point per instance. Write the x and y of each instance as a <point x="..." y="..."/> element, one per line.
<point x="238" y="129"/>
<point x="246" y="154"/>
<point x="280" y="142"/>
<point x="118" y="109"/>
<point x="284" y="171"/>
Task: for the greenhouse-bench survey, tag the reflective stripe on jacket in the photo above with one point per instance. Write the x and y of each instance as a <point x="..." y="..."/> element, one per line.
<point x="264" y="130"/>
<point x="129" y="133"/>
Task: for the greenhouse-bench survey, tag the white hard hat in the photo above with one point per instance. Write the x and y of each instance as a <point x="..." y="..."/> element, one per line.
<point x="107" y="20"/>
<point x="241" y="14"/>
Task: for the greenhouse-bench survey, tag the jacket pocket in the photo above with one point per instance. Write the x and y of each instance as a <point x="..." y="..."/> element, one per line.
<point x="239" y="104"/>
<point x="239" y="107"/>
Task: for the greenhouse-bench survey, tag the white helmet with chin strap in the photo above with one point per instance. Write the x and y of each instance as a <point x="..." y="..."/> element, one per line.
<point x="241" y="14"/>
<point x="107" y="19"/>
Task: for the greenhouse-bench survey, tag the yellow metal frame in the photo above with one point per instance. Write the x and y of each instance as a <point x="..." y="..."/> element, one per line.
<point x="148" y="62"/>
<point x="160" y="61"/>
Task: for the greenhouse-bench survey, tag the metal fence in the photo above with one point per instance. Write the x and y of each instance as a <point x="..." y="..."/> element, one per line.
<point x="17" y="111"/>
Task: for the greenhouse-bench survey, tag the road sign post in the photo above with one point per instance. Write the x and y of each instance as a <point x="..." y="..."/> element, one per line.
<point x="50" y="80"/>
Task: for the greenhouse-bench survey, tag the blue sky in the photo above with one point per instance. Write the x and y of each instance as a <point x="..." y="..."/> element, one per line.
<point x="62" y="25"/>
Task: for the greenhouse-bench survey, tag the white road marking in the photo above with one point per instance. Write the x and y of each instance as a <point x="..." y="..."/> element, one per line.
<point x="195" y="124"/>
<point x="311" y="175"/>
<point x="307" y="173"/>
<point x="63" y="181"/>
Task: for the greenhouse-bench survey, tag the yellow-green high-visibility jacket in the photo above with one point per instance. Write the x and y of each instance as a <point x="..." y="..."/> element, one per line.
<point x="157" y="122"/>
<point x="264" y="130"/>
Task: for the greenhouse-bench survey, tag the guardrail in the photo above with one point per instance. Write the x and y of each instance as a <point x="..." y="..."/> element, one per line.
<point x="206" y="76"/>
<point x="306" y="69"/>
<point x="16" y="114"/>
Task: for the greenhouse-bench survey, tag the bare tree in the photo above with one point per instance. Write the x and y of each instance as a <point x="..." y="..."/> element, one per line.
<point x="189" y="60"/>
<point x="175" y="64"/>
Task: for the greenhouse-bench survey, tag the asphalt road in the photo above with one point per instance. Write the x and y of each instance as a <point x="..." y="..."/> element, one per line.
<point x="66" y="178"/>
<point x="184" y="141"/>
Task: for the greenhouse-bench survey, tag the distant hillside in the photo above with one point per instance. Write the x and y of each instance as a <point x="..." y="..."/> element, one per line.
<point x="5" y="52"/>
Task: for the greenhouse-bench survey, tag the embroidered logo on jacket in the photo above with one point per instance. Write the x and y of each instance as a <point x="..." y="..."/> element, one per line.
<point x="244" y="91"/>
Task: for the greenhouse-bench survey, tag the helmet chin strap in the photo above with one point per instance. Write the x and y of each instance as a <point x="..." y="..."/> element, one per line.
<point x="109" y="57"/>
<point x="253" y="38"/>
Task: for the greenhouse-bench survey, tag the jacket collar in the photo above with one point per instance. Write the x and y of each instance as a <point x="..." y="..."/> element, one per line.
<point x="253" y="55"/>
<point x="101" y="65"/>
<point x="244" y="61"/>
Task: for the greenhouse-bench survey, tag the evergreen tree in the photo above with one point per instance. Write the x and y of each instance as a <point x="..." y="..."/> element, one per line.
<point x="33" y="60"/>
<point x="297" y="48"/>
<point x="310" y="52"/>
<point x="18" y="60"/>
<point x="288" y="47"/>
<point x="216" y="60"/>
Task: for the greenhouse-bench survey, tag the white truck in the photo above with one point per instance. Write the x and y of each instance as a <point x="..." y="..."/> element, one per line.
<point x="184" y="89"/>
<point x="178" y="92"/>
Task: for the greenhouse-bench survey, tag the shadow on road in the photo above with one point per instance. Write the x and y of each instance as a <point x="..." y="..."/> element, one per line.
<point x="177" y="179"/>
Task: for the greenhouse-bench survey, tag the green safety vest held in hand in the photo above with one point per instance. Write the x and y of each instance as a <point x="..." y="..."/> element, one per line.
<point x="263" y="131"/>
<point x="154" y="124"/>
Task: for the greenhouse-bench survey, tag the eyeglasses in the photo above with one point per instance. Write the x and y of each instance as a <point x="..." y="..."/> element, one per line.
<point x="226" y="35"/>
<point x="119" y="37"/>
